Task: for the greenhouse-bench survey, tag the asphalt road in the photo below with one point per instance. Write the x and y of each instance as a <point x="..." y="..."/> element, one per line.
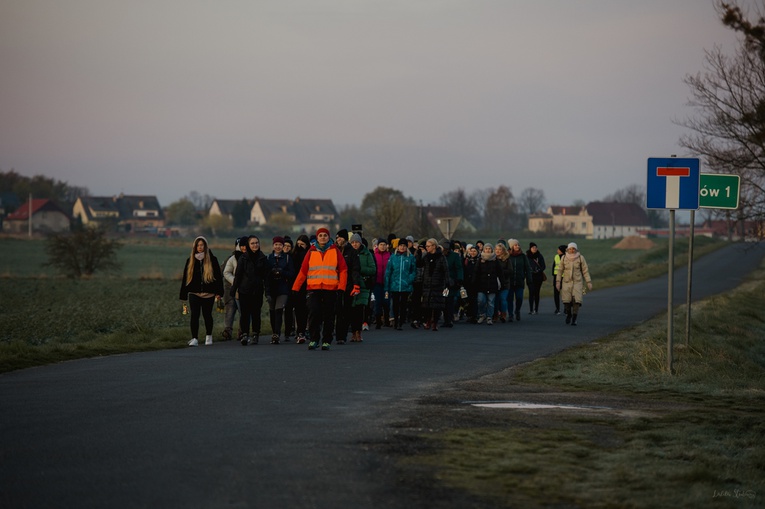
<point x="270" y="426"/>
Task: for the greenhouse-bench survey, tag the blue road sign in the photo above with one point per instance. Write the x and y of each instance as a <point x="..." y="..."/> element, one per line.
<point x="673" y="183"/>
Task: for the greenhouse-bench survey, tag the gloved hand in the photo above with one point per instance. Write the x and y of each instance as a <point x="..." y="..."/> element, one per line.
<point x="356" y="290"/>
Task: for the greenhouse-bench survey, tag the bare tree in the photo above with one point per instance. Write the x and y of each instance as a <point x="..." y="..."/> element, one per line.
<point x="728" y="127"/>
<point x="82" y="253"/>
<point x="630" y="194"/>
<point x="531" y="201"/>
<point x="460" y="203"/>
<point x="500" y="210"/>
<point x="388" y="210"/>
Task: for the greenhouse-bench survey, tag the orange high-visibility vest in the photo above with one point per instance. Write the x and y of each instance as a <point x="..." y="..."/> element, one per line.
<point x="323" y="270"/>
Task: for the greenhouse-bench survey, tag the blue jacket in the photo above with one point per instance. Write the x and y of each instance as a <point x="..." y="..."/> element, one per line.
<point x="400" y="272"/>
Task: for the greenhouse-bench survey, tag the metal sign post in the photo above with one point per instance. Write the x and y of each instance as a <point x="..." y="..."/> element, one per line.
<point x="673" y="184"/>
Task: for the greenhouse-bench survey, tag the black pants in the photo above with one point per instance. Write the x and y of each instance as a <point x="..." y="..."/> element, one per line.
<point x="321" y="314"/>
<point x="399" y="300"/>
<point x="343" y="317"/>
<point x="556" y="296"/>
<point x="203" y="306"/>
<point x="535" y="288"/>
<point x="250" y="312"/>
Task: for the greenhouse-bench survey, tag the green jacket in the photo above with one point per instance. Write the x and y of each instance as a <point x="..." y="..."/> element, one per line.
<point x="368" y="272"/>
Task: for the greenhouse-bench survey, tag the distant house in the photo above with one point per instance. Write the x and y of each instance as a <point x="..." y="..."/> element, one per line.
<point x="226" y="207"/>
<point x="47" y="217"/>
<point x="562" y="220"/>
<point x="129" y="213"/>
<point x="596" y="220"/>
<point x="301" y="214"/>
<point x="615" y="220"/>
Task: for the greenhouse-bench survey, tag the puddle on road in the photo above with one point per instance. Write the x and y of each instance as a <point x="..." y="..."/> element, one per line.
<point x="521" y="405"/>
<point x="527" y="405"/>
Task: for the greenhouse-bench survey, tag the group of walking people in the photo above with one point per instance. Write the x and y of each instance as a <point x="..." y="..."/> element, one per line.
<point x="319" y="289"/>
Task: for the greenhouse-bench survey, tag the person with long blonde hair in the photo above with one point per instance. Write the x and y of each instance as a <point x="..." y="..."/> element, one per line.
<point x="201" y="283"/>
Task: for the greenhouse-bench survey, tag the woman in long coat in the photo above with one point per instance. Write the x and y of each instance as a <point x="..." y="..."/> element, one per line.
<point x="572" y="274"/>
<point x="435" y="279"/>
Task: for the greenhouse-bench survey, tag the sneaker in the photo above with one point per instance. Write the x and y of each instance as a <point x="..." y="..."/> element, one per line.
<point x="227" y="334"/>
<point x="194" y="342"/>
<point x="365" y="326"/>
<point x="341" y="341"/>
<point x="254" y="339"/>
<point x="489" y="322"/>
<point x="518" y="316"/>
<point x="325" y="346"/>
<point x="300" y="338"/>
<point x="245" y="340"/>
<point x="415" y="324"/>
<point x="275" y="339"/>
<point x="312" y="345"/>
<point x="557" y="311"/>
<point x="481" y="318"/>
<point x="208" y="340"/>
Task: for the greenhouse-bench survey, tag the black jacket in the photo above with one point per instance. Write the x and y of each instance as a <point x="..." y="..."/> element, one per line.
<point x="197" y="285"/>
<point x="251" y="272"/>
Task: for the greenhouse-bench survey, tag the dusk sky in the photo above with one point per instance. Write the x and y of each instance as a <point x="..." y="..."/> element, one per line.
<point x="332" y="98"/>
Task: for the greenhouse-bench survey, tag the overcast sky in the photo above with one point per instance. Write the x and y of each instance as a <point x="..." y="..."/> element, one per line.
<point x="332" y="98"/>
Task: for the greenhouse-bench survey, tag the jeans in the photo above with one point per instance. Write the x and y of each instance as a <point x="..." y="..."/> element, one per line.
<point x="486" y="304"/>
<point x="502" y="301"/>
<point x="515" y="294"/>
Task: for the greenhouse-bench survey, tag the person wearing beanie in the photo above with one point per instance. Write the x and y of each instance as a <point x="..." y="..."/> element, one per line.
<point x="456" y="278"/>
<point x="435" y="284"/>
<point x="201" y="284"/>
<point x="231" y="301"/>
<point x="538" y="266"/>
<point x="382" y="303"/>
<point x="521" y="276"/>
<point x="486" y="277"/>
<point x="472" y="257"/>
<point x="278" y="285"/>
<point x="360" y="301"/>
<point x="345" y="299"/>
<point x="250" y="282"/>
<point x="572" y="274"/>
<point x="399" y="276"/>
<point x="326" y="276"/>
<point x="556" y="269"/>
<point x="289" y="307"/>
<point x="298" y="299"/>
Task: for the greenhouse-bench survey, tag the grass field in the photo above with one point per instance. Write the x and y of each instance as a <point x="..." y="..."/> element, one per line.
<point x="692" y="439"/>
<point x="48" y="318"/>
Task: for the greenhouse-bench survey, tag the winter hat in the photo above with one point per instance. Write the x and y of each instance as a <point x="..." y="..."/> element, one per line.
<point x="288" y="240"/>
<point x="402" y="242"/>
<point x="445" y="244"/>
<point x="512" y="242"/>
<point x="573" y="244"/>
<point x="532" y="244"/>
<point x="277" y="240"/>
<point x="355" y="237"/>
<point x="562" y="248"/>
<point x="322" y="230"/>
<point x="409" y="238"/>
<point x="467" y="248"/>
<point x="342" y="233"/>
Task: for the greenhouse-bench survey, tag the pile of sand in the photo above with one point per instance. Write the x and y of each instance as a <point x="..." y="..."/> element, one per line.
<point x="634" y="243"/>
